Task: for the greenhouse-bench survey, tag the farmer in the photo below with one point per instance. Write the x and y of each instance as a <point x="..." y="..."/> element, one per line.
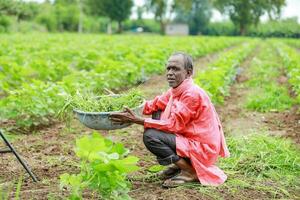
<point x="188" y="135"/>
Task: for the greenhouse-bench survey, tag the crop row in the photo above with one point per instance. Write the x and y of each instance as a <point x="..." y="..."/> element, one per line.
<point x="291" y="60"/>
<point x="292" y="42"/>
<point x="265" y="92"/>
<point x="38" y="72"/>
<point x="93" y="61"/>
<point x="217" y="78"/>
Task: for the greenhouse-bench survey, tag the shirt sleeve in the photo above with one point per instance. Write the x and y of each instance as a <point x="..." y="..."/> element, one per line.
<point x="182" y="112"/>
<point x="158" y="103"/>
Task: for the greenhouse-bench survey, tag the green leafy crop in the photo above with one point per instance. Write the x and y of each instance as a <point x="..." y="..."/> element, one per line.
<point x="291" y="60"/>
<point x="33" y="105"/>
<point x="267" y="93"/>
<point x="270" y="97"/>
<point x="103" y="169"/>
<point x="217" y="78"/>
<point x="34" y="74"/>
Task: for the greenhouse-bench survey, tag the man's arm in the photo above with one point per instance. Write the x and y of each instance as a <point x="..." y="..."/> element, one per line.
<point x="128" y="116"/>
<point x="181" y="114"/>
<point x="158" y="103"/>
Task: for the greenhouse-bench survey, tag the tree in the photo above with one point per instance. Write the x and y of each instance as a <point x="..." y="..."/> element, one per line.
<point x="195" y="13"/>
<point x="20" y="9"/>
<point x="163" y="9"/>
<point x="48" y="17"/>
<point x="139" y="11"/>
<point x="244" y="13"/>
<point x="27" y="10"/>
<point x="8" y="7"/>
<point x="67" y="15"/>
<point x="159" y="8"/>
<point x="273" y="8"/>
<point x="115" y="10"/>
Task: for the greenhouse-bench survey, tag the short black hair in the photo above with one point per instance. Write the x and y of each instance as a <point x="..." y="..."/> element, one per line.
<point x="187" y="59"/>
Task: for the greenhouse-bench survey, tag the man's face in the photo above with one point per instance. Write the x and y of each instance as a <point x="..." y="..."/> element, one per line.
<point x="176" y="73"/>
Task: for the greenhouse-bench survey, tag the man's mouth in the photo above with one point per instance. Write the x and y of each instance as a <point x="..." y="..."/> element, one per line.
<point x="170" y="79"/>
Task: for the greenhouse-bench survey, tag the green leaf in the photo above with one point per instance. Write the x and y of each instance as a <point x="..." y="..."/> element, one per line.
<point x="156" y="168"/>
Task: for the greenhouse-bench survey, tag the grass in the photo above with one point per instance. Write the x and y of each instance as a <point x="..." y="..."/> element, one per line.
<point x="6" y="192"/>
<point x="10" y="137"/>
<point x="263" y="156"/>
<point x="266" y="94"/>
<point x="261" y="165"/>
<point x="270" y="97"/>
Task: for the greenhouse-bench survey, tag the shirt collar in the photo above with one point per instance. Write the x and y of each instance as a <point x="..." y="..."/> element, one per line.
<point x="184" y="85"/>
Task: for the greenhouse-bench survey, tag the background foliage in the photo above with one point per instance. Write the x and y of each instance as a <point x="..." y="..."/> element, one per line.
<point x="94" y="16"/>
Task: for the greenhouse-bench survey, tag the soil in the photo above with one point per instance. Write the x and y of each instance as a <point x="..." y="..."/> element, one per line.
<point x="50" y="151"/>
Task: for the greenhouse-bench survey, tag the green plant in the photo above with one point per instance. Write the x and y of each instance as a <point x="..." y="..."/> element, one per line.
<point x="7" y="191"/>
<point x="90" y="102"/>
<point x="18" y="189"/>
<point x="261" y="155"/>
<point x="103" y="168"/>
<point x="4" y="192"/>
<point x="266" y="94"/>
<point x="217" y="78"/>
<point x="33" y="105"/>
<point x="269" y="98"/>
<point x="291" y="61"/>
<point x="35" y="75"/>
<point x="156" y="168"/>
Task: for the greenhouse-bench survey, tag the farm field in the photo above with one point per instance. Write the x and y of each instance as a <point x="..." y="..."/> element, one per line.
<point x="254" y="84"/>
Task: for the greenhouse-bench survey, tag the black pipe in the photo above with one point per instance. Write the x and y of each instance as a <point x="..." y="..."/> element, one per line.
<point x="18" y="157"/>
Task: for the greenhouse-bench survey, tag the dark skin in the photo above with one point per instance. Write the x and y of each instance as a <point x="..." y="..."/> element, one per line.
<point x="175" y="74"/>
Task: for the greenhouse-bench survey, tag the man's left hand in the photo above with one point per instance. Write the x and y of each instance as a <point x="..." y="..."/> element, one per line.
<point x="128" y="116"/>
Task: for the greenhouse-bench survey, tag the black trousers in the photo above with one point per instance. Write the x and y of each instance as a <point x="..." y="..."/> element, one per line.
<point x="161" y="144"/>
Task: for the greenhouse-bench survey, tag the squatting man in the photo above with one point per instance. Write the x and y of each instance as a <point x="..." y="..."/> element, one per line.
<point x="184" y="132"/>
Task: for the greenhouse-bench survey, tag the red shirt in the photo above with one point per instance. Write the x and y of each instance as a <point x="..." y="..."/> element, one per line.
<point x="189" y="113"/>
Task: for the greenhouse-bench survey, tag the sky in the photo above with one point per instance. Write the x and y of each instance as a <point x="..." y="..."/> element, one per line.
<point x="291" y="9"/>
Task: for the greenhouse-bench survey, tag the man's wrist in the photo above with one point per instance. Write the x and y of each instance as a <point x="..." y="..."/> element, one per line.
<point x="140" y="121"/>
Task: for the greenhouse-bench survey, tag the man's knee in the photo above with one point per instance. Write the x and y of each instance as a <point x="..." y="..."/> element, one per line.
<point x="149" y="136"/>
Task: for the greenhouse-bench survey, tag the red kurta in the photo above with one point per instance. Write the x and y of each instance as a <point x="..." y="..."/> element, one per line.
<point x="189" y="113"/>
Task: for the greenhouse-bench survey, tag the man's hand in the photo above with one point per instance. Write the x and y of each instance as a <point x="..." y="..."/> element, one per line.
<point x="128" y="116"/>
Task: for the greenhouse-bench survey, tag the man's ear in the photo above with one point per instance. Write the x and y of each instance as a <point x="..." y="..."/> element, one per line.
<point x="189" y="73"/>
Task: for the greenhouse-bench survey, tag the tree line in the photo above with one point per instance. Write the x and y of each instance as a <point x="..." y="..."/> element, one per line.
<point x="109" y="15"/>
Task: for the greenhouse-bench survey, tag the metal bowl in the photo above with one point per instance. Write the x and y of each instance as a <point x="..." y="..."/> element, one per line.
<point x="101" y="120"/>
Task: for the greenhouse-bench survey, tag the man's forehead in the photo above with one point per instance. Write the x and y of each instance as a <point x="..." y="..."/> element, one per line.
<point x="178" y="58"/>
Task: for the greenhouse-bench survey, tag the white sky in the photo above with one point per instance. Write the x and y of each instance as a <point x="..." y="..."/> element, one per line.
<point x="291" y="9"/>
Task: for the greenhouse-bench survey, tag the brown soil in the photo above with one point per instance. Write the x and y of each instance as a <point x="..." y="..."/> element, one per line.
<point x="50" y="151"/>
<point x="289" y="121"/>
<point x="235" y="119"/>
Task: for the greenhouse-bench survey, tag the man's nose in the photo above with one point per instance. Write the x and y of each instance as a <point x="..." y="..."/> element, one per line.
<point x="170" y="72"/>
